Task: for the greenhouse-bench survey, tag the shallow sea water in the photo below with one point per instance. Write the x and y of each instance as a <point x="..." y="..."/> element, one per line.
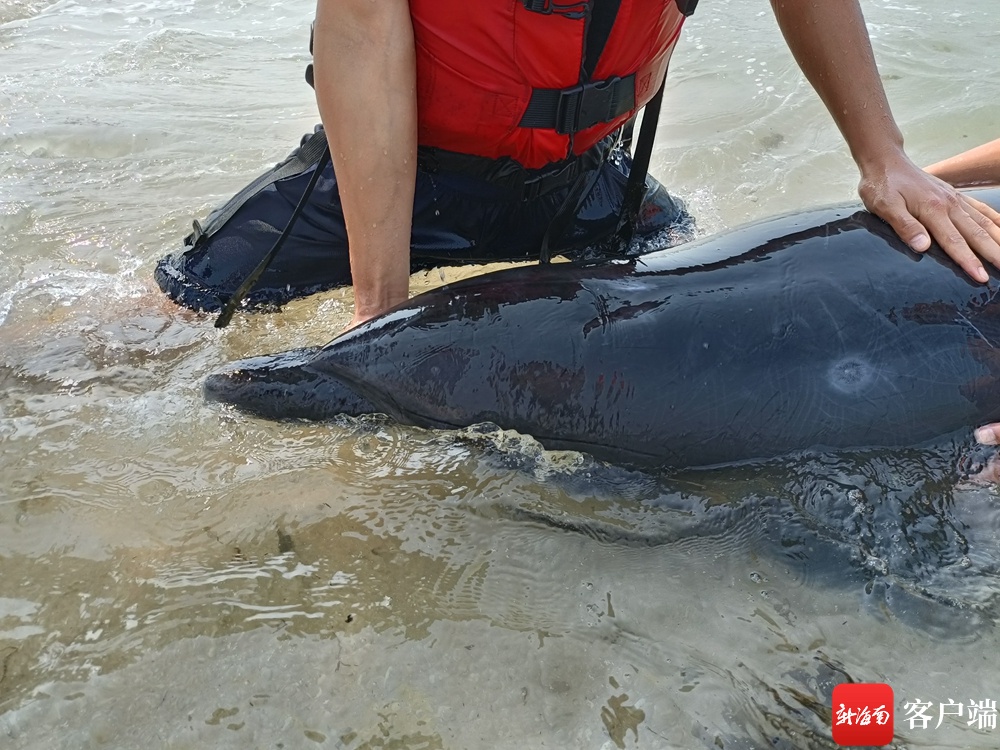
<point x="176" y="575"/>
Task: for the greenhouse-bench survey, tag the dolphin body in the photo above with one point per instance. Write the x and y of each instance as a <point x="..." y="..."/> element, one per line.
<point x="819" y="329"/>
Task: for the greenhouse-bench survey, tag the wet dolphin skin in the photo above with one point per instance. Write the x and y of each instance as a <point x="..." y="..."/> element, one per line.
<point x="819" y="329"/>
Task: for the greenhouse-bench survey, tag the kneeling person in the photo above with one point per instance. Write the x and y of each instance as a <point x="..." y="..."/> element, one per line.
<point x="462" y="143"/>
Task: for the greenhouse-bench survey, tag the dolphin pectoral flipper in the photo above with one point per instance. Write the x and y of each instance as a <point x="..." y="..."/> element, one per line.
<point x="285" y="386"/>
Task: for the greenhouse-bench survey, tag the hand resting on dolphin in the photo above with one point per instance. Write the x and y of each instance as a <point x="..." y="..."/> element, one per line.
<point x="819" y="329"/>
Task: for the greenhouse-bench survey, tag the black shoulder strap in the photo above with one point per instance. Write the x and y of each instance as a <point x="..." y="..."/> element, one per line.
<point x="602" y="19"/>
<point x="229" y="309"/>
<point x="635" y="191"/>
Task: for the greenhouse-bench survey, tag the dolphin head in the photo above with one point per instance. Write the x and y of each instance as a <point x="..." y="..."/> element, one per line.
<point x="285" y="386"/>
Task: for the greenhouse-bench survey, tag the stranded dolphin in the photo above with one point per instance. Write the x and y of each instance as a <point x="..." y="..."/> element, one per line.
<point x="819" y="329"/>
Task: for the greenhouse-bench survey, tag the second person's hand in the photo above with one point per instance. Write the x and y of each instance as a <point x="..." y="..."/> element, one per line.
<point x="919" y="207"/>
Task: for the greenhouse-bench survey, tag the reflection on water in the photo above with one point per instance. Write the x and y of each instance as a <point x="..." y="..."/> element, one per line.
<point x="177" y="575"/>
<point x="448" y="590"/>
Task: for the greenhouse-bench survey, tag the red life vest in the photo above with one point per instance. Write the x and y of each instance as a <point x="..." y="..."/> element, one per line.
<point x="481" y="62"/>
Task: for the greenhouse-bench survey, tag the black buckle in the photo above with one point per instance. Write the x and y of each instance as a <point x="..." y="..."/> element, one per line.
<point x="310" y="79"/>
<point x="575" y="9"/>
<point x="584" y="106"/>
<point x="686" y="7"/>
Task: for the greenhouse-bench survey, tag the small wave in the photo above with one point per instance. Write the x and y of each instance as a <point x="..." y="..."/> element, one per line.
<point x="18" y="10"/>
<point x="84" y="141"/>
<point x="15" y="218"/>
<point x="194" y="575"/>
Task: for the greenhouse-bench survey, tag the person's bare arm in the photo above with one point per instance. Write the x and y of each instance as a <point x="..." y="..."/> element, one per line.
<point x="830" y="42"/>
<point x="977" y="166"/>
<point x="365" y="77"/>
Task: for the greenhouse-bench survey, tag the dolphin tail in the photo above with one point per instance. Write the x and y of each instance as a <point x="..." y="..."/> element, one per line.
<point x="284" y="386"/>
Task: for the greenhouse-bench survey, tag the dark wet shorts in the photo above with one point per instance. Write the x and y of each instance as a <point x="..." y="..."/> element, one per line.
<point x="457" y="219"/>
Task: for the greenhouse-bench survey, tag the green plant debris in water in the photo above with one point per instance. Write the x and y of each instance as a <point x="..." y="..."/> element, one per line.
<point x="619" y="719"/>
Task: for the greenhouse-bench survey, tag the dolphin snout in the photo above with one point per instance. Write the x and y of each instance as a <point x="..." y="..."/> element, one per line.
<point x="284" y="386"/>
